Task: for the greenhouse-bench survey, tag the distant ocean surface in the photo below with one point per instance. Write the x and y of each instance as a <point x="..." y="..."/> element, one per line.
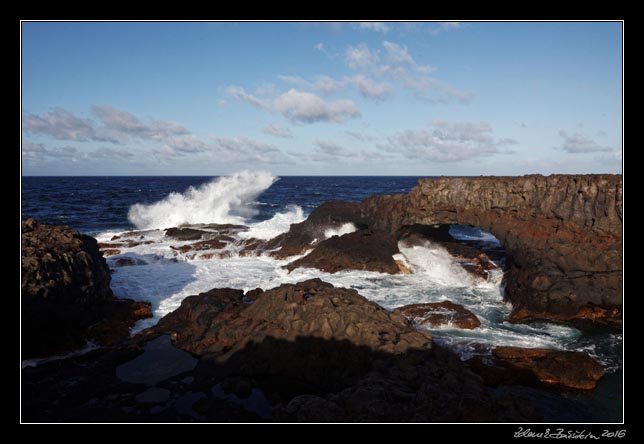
<point x="96" y="204"/>
<point x="106" y="206"/>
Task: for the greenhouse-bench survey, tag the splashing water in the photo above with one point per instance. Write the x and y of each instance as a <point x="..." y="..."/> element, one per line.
<point x="278" y="224"/>
<point x="342" y="230"/>
<point x="225" y="200"/>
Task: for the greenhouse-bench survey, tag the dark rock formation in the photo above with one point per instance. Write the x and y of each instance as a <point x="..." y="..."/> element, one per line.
<point x="369" y="250"/>
<point x="302" y="235"/>
<point x="567" y="369"/>
<point x="66" y="296"/>
<point x="437" y="314"/>
<point x="185" y="234"/>
<point x="222" y="323"/>
<point x="562" y="235"/>
<point x="307" y="352"/>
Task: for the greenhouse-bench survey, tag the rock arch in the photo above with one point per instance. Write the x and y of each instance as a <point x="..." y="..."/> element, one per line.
<point x="562" y="234"/>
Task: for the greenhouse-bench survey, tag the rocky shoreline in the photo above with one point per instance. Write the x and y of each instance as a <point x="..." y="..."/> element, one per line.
<point x="312" y="352"/>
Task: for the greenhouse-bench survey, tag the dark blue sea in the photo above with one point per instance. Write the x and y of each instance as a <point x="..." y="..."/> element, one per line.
<point x="96" y="204"/>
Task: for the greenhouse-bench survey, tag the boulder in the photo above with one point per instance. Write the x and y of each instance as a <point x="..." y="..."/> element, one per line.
<point x="311" y="332"/>
<point x="439" y="314"/>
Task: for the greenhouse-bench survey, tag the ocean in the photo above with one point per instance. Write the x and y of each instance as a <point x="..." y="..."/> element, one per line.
<point x="107" y="206"/>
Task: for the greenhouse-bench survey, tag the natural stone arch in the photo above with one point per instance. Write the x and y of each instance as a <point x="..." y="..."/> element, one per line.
<point x="562" y="234"/>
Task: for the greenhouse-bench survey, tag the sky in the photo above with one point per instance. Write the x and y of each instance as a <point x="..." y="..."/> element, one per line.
<point x="321" y="98"/>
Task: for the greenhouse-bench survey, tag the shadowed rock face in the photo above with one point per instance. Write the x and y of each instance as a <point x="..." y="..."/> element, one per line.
<point x="65" y="291"/>
<point x="562" y="235"/>
<point x="568" y="369"/>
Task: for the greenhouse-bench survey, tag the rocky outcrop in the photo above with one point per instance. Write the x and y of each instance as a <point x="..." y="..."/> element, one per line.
<point x="566" y="369"/>
<point x="65" y="293"/>
<point x="562" y="235"/>
<point x="440" y="314"/>
<point x="369" y="250"/>
<point x="223" y="324"/>
<point x="308" y="352"/>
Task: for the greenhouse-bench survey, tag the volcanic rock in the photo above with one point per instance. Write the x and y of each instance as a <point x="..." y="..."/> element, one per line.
<point x="66" y="296"/>
<point x="369" y="250"/>
<point x="565" y="369"/>
<point x="438" y="314"/>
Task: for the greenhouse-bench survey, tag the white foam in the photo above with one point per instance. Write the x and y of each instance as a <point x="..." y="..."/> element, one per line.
<point x="278" y="224"/>
<point x="436" y="264"/>
<point x="168" y="276"/>
<point x="342" y="230"/>
<point x="227" y="199"/>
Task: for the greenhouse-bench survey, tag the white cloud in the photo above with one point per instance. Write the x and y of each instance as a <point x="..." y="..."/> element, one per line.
<point x="184" y="145"/>
<point x="60" y="124"/>
<point x="302" y="107"/>
<point x="330" y="153"/>
<point x="371" y="89"/>
<point x="395" y="63"/>
<point x="242" y="149"/>
<point x="367" y="87"/>
<point x="445" y="27"/>
<point x="374" y="26"/>
<point x="110" y="153"/>
<point x="447" y="142"/>
<point x="321" y="84"/>
<point x="239" y="93"/>
<point x="360" y="57"/>
<point x="29" y="147"/>
<point x="117" y="126"/>
<point x="396" y="54"/>
<point x="332" y="149"/>
<point x="360" y="136"/>
<point x="277" y="130"/>
<point x="577" y="144"/>
<point x="308" y="108"/>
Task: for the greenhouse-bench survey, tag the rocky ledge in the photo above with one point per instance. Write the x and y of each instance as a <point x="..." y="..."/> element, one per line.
<point x="65" y="294"/>
<point x="299" y="352"/>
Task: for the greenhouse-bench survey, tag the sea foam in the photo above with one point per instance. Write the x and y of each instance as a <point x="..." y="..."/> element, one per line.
<point x="225" y="200"/>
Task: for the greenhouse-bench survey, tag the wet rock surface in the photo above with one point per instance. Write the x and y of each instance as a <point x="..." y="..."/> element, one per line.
<point x="440" y="314"/>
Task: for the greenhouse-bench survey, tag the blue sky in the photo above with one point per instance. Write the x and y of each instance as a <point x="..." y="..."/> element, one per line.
<point x="368" y="98"/>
